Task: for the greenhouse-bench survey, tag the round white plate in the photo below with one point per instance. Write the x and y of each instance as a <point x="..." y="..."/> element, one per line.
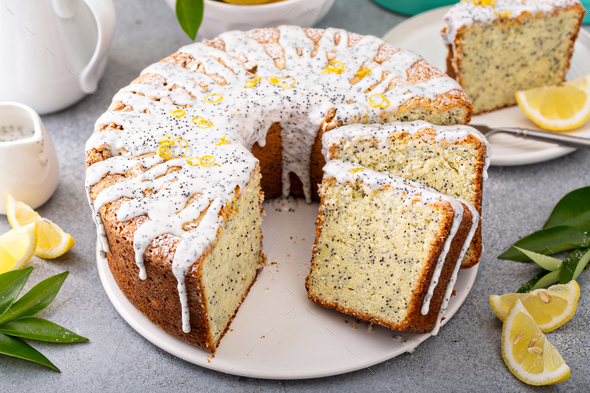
<point x="278" y="333"/>
<point x="421" y="34"/>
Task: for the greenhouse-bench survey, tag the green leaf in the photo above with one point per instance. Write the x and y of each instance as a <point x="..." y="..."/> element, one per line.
<point x="570" y="209"/>
<point x="40" y="329"/>
<point x="190" y="15"/>
<point x="573" y="265"/>
<point x="531" y="283"/>
<point x="11" y="283"/>
<point x="546" y="280"/>
<point x="547" y="241"/>
<point x="547" y="263"/>
<point x="36" y="299"/>
<point x="13" y="346"/>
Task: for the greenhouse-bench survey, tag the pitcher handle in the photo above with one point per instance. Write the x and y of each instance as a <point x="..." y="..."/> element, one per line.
<point x="104" y="14"/>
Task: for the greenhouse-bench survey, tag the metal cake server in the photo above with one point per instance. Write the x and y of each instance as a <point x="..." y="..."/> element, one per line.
<point x="550" y="137"/>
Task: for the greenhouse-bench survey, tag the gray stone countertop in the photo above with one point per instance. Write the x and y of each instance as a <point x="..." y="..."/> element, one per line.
<point x="465" y="356"/>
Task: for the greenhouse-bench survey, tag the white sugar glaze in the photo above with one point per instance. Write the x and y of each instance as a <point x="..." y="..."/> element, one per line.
<point x="382" y="132"/>
<point x="299" y="98"/>
<point x="372" y="180"/>
<point x="467" y="12"/>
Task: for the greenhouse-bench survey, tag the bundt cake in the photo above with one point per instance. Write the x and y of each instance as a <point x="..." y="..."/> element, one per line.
<point x="177" y="166"/>
<point x="387" y="249"/>
<point x="496" y="47"/>
<point x="451" y="159"/>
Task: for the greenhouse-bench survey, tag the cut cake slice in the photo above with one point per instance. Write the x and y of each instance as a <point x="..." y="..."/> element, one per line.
<point x="387" y="249"/>
<point x="451" y="159"/>
<point x="508" y="45"/>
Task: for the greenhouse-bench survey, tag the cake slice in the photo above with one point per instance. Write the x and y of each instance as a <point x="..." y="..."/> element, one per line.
<point x="387" y="249"/>
<point x="508" y="45"/>
<point x="214" y="286"/>
<point x="451" y="159"/>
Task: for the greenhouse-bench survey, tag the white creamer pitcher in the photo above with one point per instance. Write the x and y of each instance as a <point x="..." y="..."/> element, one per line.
<point x="29" y="170"/>
<point x="53" y="52"/>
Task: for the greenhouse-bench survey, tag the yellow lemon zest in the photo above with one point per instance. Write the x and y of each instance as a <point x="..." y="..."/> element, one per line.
<point x="355" y="170"/>
<point x="252" y="80"/>
<point x="213" y="98"/>
<point x="285" y="82"/>
<point x="223" y="141"/>
<point x="288" y="82"/>
<point x="382" y="103"/>
<point x="166" y="146"/>
<point x="335" y="67"/>
<point x="362" y="73"/>
<point x="205" y="161"/>
<point x="177" y="113"/>
<point x="202" y="123"/>
<point x="239" y="110"/>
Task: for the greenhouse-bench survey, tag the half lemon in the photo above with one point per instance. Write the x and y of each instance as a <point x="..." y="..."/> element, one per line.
<point x="557" y="108"/>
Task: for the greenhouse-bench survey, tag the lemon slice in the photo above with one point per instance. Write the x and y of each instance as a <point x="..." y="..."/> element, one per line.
<point x="17" y="247"/>
<point x="557" y="108"/>
<point x="527" y="352"/>
<point x="550" y="308"/>
<point x="52" y="240"/>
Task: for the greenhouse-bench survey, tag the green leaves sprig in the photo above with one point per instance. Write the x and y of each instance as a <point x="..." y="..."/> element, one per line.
<point x="17" y="320"/>
<point x="190" y="15"/>
<point x="566" y="229"/>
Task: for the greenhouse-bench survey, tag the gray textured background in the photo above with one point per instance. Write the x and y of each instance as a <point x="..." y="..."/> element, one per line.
<point x="465" y="356"/>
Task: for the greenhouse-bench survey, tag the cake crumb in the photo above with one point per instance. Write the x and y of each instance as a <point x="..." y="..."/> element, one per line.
<point x="370" y="326"/>
<point x="454" y="293"/>
<point x="346" y="321"/>
<point x="354" y="325"/>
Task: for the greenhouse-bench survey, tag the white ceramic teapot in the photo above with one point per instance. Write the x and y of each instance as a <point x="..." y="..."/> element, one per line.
<point x="53" y="52"/>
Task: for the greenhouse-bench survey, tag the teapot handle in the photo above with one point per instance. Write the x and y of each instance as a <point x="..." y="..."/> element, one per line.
<point x="104" y="14"/>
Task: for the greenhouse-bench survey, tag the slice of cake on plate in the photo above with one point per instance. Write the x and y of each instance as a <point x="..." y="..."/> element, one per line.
<point x="451" y="159"/>
<point x="497" y="47"/>
<point x="387" y="249"/>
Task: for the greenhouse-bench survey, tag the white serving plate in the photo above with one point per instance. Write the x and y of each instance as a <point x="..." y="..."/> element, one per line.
<point x="421" y="34"/>
<point x="278" y="333"/>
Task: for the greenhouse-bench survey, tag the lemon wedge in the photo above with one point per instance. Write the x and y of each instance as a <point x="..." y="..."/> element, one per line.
<point x="17" y="247"/>
<point x="557" y="108"/>
<point x="527" y="352"/>
<point x="52" y="240"/>
<point x="550" y="308"/>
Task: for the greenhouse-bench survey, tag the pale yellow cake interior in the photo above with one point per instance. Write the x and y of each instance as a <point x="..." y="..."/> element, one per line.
<point x="451" y="169"/>
<point x="231" y="267"/>
<point x="450" y="116"/>
<point x="498" y="59"/>
<point x="372" y="250"/>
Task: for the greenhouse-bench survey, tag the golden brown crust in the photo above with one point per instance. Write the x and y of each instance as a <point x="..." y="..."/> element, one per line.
<point x="416" y="322"/>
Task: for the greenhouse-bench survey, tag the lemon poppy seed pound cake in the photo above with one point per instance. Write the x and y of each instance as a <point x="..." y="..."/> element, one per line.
<point x="497" y="47"/>
<point x="178" y="166"/>
<point x="387" y="249"/>
<point x="451" y="159"/>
